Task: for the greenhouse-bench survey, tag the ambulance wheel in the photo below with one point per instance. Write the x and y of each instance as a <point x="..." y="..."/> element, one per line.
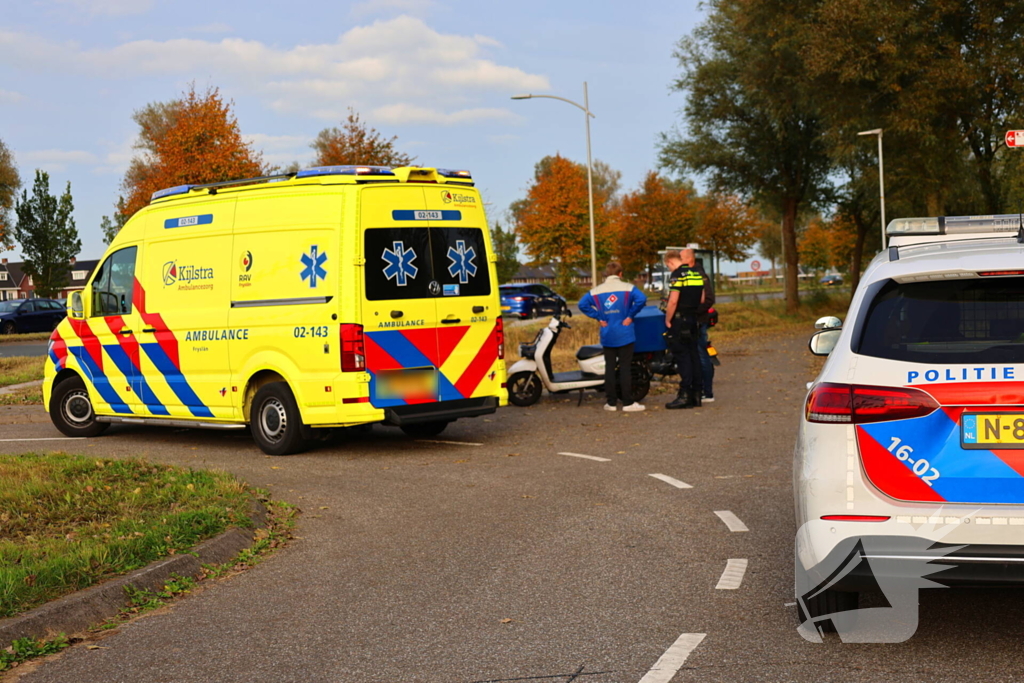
<point x="275" y="421"/>
<point x="71" y="409"/>
<point x="424" y="430"/>
<point x="524" y="389"/>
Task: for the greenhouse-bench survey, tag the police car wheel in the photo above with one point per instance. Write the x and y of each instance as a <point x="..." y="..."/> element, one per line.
<point x="275" y="421"/>
<point x="423" y="430"/>
<point x="524" y="389"/>
<point x="827" y="602"/>
<point x="71" y="409"/>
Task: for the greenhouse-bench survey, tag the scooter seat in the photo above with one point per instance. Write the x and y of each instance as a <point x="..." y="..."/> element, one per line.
<point x="589" y="351"/>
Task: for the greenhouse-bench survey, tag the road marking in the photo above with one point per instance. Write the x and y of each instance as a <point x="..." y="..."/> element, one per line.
<point x="731" y="520"/>
<point x="673" y="659"/>
<point x="732" y="577"/>
<point x="453" y="443"/>
<point x="588" y="457"/>
<point x="49" y="438"/>
<point x="672" y="480"/>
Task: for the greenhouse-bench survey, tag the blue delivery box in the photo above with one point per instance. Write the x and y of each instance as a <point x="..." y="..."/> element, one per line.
<point x="650" y="330"/>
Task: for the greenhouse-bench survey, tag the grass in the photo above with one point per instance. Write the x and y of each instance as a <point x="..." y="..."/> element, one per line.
<point x="32" y="396"/>
<point x="67" y="522"/>
<point x="18" y="369"/>
<point x="24" y="338"/>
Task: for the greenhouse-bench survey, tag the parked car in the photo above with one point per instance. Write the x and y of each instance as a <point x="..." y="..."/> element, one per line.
<point x="831" y="280"/>
<point x="530" y="301"/>
<point x="30" y="315"/>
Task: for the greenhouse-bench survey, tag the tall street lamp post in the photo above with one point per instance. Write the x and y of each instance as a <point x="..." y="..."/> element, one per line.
<point x="585" y="107"/>
<point x="881" y="177"/>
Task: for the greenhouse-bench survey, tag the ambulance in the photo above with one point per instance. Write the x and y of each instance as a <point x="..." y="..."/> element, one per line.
<point x="289" y="304"/>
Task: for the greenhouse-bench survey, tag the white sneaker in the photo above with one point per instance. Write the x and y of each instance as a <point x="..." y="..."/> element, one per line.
<point x="707" y="399"/>
<point x="633" y="408"/>
<point x="611" y="409"/>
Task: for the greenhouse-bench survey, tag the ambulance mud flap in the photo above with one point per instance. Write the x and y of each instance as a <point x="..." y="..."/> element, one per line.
<point x="436" y="412"/>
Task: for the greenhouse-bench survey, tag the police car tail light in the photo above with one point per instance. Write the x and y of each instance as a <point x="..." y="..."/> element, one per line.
<point x="856" y="518"/>
<point x="856" y="404"/>
<point x="353" y="348"/>
<point x="999" y="273"/>
<point x="499" y="333"/>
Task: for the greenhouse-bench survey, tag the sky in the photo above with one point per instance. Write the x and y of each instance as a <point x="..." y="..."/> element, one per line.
<point x="437" y="74"/>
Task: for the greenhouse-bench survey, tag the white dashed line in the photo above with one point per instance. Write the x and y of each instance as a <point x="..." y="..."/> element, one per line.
<point x="672" y="480"/>
<point x="453" y="443"/>
<point x="669" y="663"/>
<point x="732" y="577"/>
<point x="731" y="520"/>
<point x="588" y="457"/>
<point x="49" y="438"/>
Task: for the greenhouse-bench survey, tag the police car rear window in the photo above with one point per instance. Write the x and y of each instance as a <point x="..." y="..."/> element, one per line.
<point x="978" y="320"/>
<point x="421" y="263"/>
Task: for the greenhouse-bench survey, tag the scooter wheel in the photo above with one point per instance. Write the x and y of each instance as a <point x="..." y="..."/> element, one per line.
<point x="524" y="389"/>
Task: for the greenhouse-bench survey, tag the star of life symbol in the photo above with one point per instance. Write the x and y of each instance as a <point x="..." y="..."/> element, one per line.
<point x="399" y="261"/>
<point x="462" y="262"/>
<point x="314" y="262"/>
<point x="610" y="301"/>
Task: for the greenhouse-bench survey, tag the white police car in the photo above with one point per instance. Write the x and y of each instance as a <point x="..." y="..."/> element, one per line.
<point x="912" y="438"/>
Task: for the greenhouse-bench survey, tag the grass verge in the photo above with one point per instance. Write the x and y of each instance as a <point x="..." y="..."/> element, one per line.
<point x="28" y="337"/>
<point x="67" y="522"/>
<point x="18" y="369"/>
<point x="33" y="396"/>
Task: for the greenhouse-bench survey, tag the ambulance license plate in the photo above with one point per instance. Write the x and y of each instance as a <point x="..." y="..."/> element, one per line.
<point x="992" y="430"/>
<point x="409" y="383"/>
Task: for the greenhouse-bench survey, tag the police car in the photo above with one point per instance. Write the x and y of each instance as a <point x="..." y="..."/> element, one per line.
<point x="912" y="438"/>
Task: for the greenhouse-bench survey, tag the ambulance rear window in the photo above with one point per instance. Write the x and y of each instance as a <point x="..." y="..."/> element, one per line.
<point x="978" y="320"/>
<point x="421" y="263"/>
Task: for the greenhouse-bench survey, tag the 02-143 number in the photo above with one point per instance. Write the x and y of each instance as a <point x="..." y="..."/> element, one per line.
<point x="919" y="466"/>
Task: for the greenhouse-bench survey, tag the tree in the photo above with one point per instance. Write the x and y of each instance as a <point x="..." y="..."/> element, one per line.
<point x="356" y="143"/>
<point x="111" y="226"/>
<point x="751" y="124"/>
<point x="659" y="214"/>
<point x="192" y="141"/>
<point x="769" y="242"/>
<point x="553" y="221"/>
<point x="816" y="246"/>
<point x="47" y="235"/>
<point x="10" y="182"/>
<point x="507" y="252"/>
<point x="728" y="226"/>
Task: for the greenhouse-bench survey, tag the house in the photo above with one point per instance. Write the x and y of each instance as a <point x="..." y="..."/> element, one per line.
<point x="544" y="273"/>
<point x="16" y="284"/>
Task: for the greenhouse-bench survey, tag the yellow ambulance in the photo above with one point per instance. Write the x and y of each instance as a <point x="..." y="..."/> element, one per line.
<point x="331" y="297"/>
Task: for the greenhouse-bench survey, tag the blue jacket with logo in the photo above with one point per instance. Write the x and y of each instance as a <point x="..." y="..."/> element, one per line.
<point x="613" y="301"/>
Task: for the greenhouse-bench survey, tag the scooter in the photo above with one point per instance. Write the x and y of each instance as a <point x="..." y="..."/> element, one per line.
<point x="531" y="374"/>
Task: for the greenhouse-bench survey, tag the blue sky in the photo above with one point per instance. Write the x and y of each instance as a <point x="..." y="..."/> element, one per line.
<point x="437" y="74"/>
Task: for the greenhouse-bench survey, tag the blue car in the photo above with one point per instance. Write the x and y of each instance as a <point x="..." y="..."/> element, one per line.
<point x="530" y="301"/>
<point x="30" y="315"/>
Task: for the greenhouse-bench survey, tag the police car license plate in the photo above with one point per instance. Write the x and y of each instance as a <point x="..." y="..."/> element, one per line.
<point x="988" y="430"/>
<point x="409" y="383"/>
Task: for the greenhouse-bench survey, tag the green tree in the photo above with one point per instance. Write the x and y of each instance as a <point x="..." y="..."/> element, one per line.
<point x="10" y="182"/>
<point x="111" y="226"/>
<point x="750" y="119"/>
<point x="506" y="251"/>
<point x="47" y="235"/>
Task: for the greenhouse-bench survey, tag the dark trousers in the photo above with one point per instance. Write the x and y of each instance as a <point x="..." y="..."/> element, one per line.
<point x="707" y="369"/>
<point x="621" y="358"/>
<point x="684" y="340"/>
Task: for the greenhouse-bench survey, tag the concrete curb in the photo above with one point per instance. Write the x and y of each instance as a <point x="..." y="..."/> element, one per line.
<point x="79" y="611"/>
<point x="11" y="388"/>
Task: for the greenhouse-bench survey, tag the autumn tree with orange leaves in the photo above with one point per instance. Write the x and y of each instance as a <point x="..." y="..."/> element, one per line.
<point x="357" y="143"/>
<point x="659" y="214"/>
<point x="553" y="221"/>
<point x="191" y="141"/>
<point x="728" y="226"/>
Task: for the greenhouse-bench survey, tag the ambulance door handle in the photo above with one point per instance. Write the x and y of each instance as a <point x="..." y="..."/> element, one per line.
<point x="397" y="314"/>
<point x="478" y="309"/>
<point x="149" y="329"/>
<point x="124" y="331"/>
<point x="451" y="321"/>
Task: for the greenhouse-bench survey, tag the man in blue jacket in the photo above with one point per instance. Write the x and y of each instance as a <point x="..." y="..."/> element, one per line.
<point x="615" y="304"/>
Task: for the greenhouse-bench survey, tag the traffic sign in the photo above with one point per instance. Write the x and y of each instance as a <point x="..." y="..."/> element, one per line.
<point x="1015" y="138"/>
<point x="756" y="265"/>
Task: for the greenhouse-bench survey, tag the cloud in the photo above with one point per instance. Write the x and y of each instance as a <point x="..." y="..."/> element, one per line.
<point x="109" y="8"/>
<point x="401" y="67"/>
<point x="281" y="150"/>
<point x="55" y="160"/>
<point x="410" y="114"/>
<point x="11" y="97"/>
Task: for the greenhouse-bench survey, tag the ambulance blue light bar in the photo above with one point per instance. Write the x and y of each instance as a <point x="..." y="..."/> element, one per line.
<point x="344" y="170"/>
<point x="448" y="173"/>
<point x="954" y="225"/>
<point x="170" y="192"/>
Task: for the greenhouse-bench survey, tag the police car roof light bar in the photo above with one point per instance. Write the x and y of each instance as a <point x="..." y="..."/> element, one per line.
<point x="344" y="170"/>
<point x="955" y="225"/>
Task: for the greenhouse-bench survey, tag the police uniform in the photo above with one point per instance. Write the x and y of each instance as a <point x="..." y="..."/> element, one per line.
<point x="683" y="335"/>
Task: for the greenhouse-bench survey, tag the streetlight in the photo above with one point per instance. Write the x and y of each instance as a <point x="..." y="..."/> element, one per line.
<point x="585" y="107"/>
<point x="881" y="177"/>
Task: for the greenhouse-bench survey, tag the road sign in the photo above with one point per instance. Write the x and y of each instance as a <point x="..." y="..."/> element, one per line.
<point x="756" y="265"/>
<point x="1015" y="138"/>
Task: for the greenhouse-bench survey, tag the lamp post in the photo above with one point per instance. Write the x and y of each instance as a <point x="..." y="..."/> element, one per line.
<point x="881" y="177"/>
<point x="585" y="107"/>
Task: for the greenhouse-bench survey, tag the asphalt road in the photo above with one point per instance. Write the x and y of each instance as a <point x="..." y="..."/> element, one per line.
<point x="445" y="561"/>
<point x="23" y="349"/>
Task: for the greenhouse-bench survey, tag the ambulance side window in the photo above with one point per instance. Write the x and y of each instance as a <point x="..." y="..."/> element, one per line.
<point x="114" y="284"/>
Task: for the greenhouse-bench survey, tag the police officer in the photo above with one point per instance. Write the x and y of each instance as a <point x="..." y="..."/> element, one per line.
<point x="687" y="293"/>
